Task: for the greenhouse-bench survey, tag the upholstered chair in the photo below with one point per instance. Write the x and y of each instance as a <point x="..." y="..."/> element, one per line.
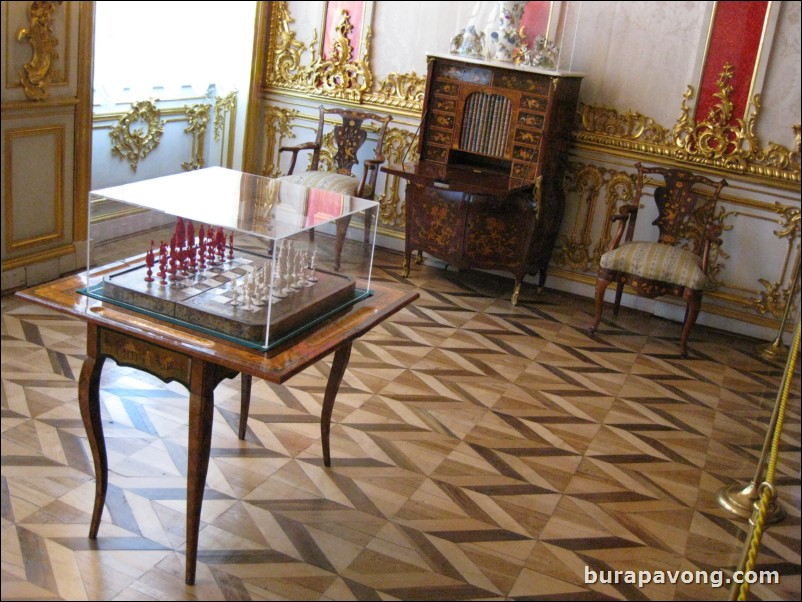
<point x="677" y="263"/>
<point x="349" y="135"/>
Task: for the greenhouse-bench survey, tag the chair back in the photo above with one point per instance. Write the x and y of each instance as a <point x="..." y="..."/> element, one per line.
<point x="686" y="205"/>
<point x="349" y="135"/>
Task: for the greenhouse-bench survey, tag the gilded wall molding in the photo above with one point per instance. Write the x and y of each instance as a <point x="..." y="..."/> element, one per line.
<point x="135" y="144"/>
<point x="780" y="292"/>
<point x="720" y="142"/>
<point x="589" y="184"/>
<point x="140" y="130"/>
<point x="198" y="117"/>
<point x="51" y="143"/>
<point x="278" y="126"/>
<point x="36" y="75"/>
<point x="223" y="106"/>
<point x="398" y="143"/>
<point x="400" y="91"/>
<point x="339" y="76"/>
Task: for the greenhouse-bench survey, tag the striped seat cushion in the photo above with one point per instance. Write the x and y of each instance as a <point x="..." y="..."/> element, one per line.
<point x="656" y="261"/>
<point x="325" y="180"/>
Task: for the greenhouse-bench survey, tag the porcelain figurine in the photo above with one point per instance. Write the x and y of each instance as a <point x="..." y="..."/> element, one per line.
<point x="468" y="42"/>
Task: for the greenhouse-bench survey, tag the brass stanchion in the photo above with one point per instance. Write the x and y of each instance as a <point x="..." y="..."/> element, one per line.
<point x="740" y="500"/>
<point x="777" y="349"/>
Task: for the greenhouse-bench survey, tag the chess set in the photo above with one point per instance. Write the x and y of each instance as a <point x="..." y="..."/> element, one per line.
<point x="207" y="283"/>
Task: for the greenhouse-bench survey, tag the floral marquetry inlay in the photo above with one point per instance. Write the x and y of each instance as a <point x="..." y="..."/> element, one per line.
<point x="130" y="140"/>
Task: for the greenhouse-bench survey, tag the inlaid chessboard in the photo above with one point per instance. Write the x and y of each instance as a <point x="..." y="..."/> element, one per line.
<point x="204" y="299"/>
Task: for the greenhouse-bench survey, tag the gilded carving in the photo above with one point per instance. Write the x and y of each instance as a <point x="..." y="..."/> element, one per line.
<point x="222" y="107"/>
<point x="775" y="298"/>
<point x="36" y="75"/>
<point x="135" y="143"/>
<point x="399" y="145"/>
<point x="719" y="141"/>
<point x="278" y="125"/>
<point x="198" y="117"/>
<point x="630" y="126"/>
<point x="339" y="76"/>
<point x="286" y="57"/>
<point x="400" y="90"/>
<point x="591" y="184"/>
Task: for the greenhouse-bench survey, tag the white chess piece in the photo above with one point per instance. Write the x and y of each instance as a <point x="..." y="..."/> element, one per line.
<point x="312" y="276"/>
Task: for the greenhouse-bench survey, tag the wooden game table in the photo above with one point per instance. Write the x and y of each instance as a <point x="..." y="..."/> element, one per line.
<point x="200" y="363"/>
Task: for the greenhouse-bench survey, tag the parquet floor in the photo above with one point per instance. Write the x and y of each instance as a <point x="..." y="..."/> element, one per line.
<point x="480" y="451"/>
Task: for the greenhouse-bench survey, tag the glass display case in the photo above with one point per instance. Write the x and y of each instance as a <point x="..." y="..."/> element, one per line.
<point x="250" y="259"/>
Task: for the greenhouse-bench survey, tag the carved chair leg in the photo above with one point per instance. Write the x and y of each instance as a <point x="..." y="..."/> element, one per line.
<point x="369" y="214"/>
<point x="619" y="291"/>
<point x="339" y="241"/>
<point x="601" y="286"/>
<point x="694" y="299"/>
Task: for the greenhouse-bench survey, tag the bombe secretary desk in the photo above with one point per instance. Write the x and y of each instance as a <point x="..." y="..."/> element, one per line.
<point x="203" y="307"/>
<point x="487" y="191"/>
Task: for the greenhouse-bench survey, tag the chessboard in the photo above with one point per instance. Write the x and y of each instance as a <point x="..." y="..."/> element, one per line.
<point x="211" y="298"/>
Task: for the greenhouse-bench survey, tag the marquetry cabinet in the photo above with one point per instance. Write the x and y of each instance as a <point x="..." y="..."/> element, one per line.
<point x="487" y="191"/>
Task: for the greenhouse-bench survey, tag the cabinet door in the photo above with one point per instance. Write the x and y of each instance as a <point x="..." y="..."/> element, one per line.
<point x="498" y="232"/>
<point x="435" y="222"/>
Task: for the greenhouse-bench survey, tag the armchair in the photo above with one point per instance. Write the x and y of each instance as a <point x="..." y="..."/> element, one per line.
<point x="349" y="137"/>
<point x="677" y="263"/>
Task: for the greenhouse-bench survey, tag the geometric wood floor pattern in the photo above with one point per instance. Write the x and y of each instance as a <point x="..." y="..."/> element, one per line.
<point x="479" y="451"/>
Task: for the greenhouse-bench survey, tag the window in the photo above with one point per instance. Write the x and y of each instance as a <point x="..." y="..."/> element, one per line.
<point x="171" y="50"/>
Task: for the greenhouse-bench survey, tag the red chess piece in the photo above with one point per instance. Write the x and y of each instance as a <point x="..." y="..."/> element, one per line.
<point x="231" y="246"/>
<point x="163" y="264"/>
<point x="149" y="261"/>
<point x="210" y="238"/>
<point x="180" y="232"/>
<point x="220" y="243"/>
<point x="190" y="234"/>
<point x="202" y="253"/>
